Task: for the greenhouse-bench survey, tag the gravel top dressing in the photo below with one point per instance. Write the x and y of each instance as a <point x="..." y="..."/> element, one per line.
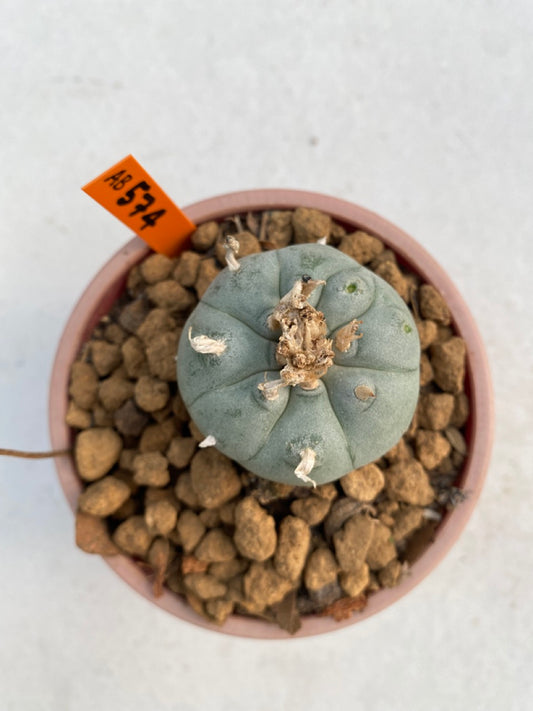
<point x="202" y="525"/>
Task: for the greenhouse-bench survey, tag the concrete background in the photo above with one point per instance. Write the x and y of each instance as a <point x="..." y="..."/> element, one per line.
<point x="421" y="111"/>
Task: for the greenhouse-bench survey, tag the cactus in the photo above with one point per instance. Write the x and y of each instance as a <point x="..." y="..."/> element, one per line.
<point x="300" y="364"/>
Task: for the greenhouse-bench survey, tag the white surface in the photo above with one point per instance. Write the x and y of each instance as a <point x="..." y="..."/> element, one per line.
<point x="421" y="111"/>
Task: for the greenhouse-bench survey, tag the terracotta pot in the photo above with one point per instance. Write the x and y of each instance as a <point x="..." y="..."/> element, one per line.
<point x="109" y="283"/>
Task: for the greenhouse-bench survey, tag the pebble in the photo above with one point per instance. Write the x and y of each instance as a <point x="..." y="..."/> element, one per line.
<point x="390" y="272"/>
<point x="353" y="541"/>
<point x="354" y="583"/>
<point x="151" y="394"/>
<point x="156" y="268"/>
<point x="382" y="549"/>
<point x="363" y="484"/>
<point x="214" y="478"/>
<point x="294" y="538"/>
<point x="129" y="420"/>
<point x="186" y="270"/>
<point x="157" y="437"/>
<point x="361" y="246"/>
<point x="77" y="417"/>
<point x="205" y="236"/>
<point x="313" y="510"/>
<point x="157" y="321"/>
<point x="432" y="305"/>
<point x="248" y="244"/>
<point x="92" y="535"/>
<point x="406" y="521"/>
<point x="161" y="517"/>
<point x="448" y="362"/>
<point x="255" y="531"/>
<point x="96" y="450"/>
<point x="215" y="547"/>
<point x="431" y="448"/>
<point x="114" y="391"/>
<point x="170" y="295"/>
<point x="263" y="586"/>
<point x="279" y="228"/>
<point x="190" y="529"/>
<point x="435" y="410"/>
<point x="180" y="451"/>
<point x="151" y="469"/>
<point x="205" y="586"/>
<point x="185" y="492"/>
<point x="161" y="355"/>
<point x="134" y="357"/>
<point x="310" y="225"/>
<point x="105" y="357"/>
<point x="104" y="497"/>
<point x="133" y="537"/>
<point x="409" y="482"/>
<point x="83" y="385"/>
<point x="321" y="569"/>
<point x="207" y="271"/>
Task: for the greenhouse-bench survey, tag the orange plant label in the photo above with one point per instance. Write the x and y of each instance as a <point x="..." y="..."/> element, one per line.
<point x="130" y="194"/>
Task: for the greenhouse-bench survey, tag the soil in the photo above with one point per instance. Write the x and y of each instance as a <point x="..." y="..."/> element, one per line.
<point x="198" y="523"/>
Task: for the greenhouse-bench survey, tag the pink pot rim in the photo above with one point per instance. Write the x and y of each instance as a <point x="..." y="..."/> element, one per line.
<point x="99" y="295"/>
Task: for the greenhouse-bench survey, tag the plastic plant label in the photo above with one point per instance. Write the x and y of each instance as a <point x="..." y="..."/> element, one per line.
<point x="130" y="194"/>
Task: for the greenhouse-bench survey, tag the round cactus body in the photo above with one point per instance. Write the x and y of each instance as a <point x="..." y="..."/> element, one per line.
<point x="300" y="364"/>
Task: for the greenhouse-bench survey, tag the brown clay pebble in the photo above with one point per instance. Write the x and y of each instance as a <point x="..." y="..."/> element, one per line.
<point x="321" y="569"/>
<point x="382" y="549"/>
<point x="353" y="541"/>
<point x="435" y="410"/>
<point x="207" y="271"/>
<point x="461" y="410"/>
<point x="170" y="295"/>
<point x="210" y="518"/>
<point x="263" y="586"/>
<point x="104" y="497"/>
<point x="312" y="510"/>
<point x="407" y="520"/>
<point x="96" y="451"/>
<point x="390" y="575"/>
<point x="248" y="244"/>
<point x="361" y="246"/>
<point x="279" y="228"/>
<point x="157" y="437"/>
<point x="431" y="448"/>
<point x="133" y="314"/>
<point x="129" y="420"/>
<point x="133" y="537"/>
<point x="310" y="225"/>
<point x="432" y="305"/>
<point x="205" y="236"/>
<point x="293" y="545"/>
<point x="426" y="371"/>
<point x="427" y="331"/>
<point x="186" y="270"/>
<point x="190" y="529"/>
<point x="393" y="276"/>
<point x="363" y="484"/>
<point x="255" y="531"/>
<point x="76" y="417"/>
<point x="399" y="453"/>
<point x="214" y="478"/>
<point x="83" y="385"/>
<point x="114" y="333"/>
<point x="157" y="321"/>
<point x="92" y="535"/>
<point x="409" y="482"/>
<point x="354" y="583"/>
<point x="448" y="362"/>
<point x="101" y="417"/>
<point x="114" y="391"/>
<point x="205" y="586"/>
<point x="151" y="394"/>
<point x="219" y="610"/>
<point x="134" y="357"/>
<point x="161" y="517"/>
<point x="151" y="469"/>
<point x="156" y="268"/>
<point x="180" y="451"/>
<point x="228" y="569"/>
<point x="215" y="547"/>
<point x="105" y="357"/>
<point x="161" y="355"/>
<point x="184" y="491"/>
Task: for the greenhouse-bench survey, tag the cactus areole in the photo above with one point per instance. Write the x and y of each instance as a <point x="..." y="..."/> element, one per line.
<point x="300" y="364"/>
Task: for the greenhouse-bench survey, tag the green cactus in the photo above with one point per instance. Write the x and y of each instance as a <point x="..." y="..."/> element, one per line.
<point x="300" y="364"/>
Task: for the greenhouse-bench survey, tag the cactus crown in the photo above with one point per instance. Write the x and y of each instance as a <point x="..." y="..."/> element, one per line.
<point x="301" y="363"/>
